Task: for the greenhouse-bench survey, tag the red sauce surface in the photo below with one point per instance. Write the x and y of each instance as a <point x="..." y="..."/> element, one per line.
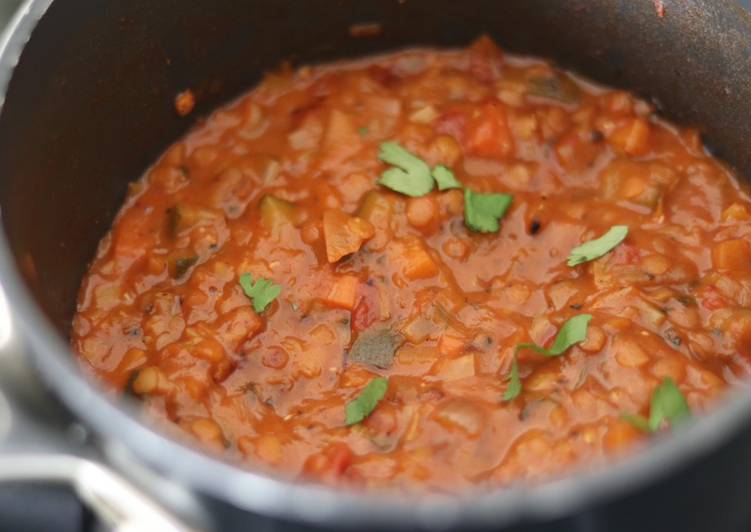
<point x="162" y="316"/>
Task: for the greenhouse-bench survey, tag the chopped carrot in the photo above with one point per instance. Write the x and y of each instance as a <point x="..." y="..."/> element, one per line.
<point x="344" y="234"/>
<point x="451" y="343"/>
<point x="735" y="213"/>
<point x="731" y="255"/>
<point x="488" y="134"/>
<point x="342" y="292"/>
<point x="454" y="368"/>
<point x="418" y="264"/>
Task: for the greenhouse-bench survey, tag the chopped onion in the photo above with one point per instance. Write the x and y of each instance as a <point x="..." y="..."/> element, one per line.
<point x="426" y="115"/>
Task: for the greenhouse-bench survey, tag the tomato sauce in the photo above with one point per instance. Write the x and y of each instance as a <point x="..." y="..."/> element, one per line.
<point x="283" y="185"/>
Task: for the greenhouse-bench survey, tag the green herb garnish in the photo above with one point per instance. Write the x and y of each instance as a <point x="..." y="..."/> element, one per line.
<point x="445" y="178"/>
<point x="363" y="131"/>
<point x="262" y="292"/>
<point x="640" y="422"/>
<point x="668" y="403"/>
<point x="482" y="212"/>
<point x="572" y="332"/>
<point x="364" y="404"/>
<point x="411" y="175"/>
<point x="595" y="249"/>
<point x="514" y="382"/>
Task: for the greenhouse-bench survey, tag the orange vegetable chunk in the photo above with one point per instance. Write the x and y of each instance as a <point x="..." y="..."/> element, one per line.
<point x="731" y="254"/>
<point x="344" y="234"/>
<point x="418" y="264"/>
<point x="343" y="292"/>
<point x="488" y="134"/>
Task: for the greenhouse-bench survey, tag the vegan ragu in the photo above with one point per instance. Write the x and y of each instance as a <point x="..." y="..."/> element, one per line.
<point x="425" y="271"/>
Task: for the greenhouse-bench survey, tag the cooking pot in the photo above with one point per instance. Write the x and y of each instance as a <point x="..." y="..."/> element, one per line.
<point x="88" y="104"/>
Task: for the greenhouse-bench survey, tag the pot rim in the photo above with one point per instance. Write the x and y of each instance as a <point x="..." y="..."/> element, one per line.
<point x="315" y="504"/>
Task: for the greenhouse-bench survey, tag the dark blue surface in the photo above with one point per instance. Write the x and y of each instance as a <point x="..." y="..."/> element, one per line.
<point x="40" y="508"/>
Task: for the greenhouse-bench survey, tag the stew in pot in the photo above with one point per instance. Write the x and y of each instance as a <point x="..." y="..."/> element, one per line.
<point x="425" y="271"/>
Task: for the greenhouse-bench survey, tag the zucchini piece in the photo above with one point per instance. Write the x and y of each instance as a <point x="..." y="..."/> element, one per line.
<point x="557" y="87"/>
<point x="182" y="217"/>
<point x="179" y="266"/>
<point x="276" y="213"/>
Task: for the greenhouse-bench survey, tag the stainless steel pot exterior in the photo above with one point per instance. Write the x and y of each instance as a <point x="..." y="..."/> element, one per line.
<point x="89" y="106"/>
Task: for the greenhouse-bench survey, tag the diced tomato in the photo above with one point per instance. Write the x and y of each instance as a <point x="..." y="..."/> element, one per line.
<point x="488" y="134"/>
<point x="485" y="133"/>
<point x="340" y="457"/>
<point x="711" y="299"/>
<point x="366" y="311"/>
<point x="331" y="463"/>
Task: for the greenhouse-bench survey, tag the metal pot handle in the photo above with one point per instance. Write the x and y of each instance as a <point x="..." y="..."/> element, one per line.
<point x="39" y="442"/>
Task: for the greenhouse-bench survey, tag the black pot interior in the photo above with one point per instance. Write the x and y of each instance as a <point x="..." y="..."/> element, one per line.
<point x="90" y="104"/>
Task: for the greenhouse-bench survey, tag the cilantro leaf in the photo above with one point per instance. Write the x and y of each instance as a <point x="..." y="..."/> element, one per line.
<point x="640" y="422"/>
<point x="363" y="131"/>
<point x="482" y="212"/>
<point x="262" y="292"/>
<point x="411" y="175"/>
<point x="364" y="404"/>
<point x="514" y="382"/>
<point x="572" y="332"/>
<point x="595" y="249"/>
<point x="445" y="178"/>
<point x="667" y="403"/>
